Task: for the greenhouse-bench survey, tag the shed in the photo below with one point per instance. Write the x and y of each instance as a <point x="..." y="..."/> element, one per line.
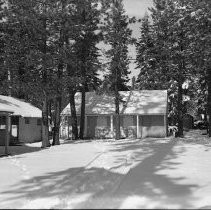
<point x="142" y="114"/>
<point x="25" y="120"/>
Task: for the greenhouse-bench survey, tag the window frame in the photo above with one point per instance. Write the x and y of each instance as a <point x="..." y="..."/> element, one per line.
<point x="27" y="121"/>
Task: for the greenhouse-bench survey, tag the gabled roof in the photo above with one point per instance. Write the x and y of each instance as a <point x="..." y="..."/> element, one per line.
<point x="135" y="102"/>
<point x="19" y="107"/>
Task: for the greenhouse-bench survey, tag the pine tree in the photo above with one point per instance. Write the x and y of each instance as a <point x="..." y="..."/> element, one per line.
<point x="118" y="37"/>
<point x="80" y="54"/>
<point x="59" y="30"/>
<point x="201" y="27"/>
<point x="87" y="19"/>
<point x="172" y="48"/>
<point x="147" y="60"/>
<point x="3" y="72"/>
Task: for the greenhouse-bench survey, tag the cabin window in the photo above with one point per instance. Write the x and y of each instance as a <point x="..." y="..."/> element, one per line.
<point x="27" y="121"/>
<point x="39" y="121"/>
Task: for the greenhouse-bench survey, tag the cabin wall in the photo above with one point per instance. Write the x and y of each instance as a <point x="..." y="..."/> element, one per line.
<point x="152" y="126"/>
<point x="127" y="126"/>
<point x="29" y="132"/>
<point x="99" y="127"/>
<point x="2" y="137"/>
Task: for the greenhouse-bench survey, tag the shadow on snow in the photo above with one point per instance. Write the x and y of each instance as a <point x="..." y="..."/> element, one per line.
<point x="18" y="150"/>
<point x="109" y="189"/>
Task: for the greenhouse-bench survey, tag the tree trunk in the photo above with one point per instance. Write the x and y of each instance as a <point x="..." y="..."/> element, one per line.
<point x="179" y="109"/>
<point x="209" y="100"/>
<point x="73" y="115"/>
<point x="50" y="111"/>
<point x="117" y="113"/>
<point x="57" y="121"/>
<point x="58" y="99"/>
<point x="45" y="138"/>
<point x="206" y="119"/>
<point x="58" y="104"/>
<point x="50" y="114"/>
<point x="82" y="119"/>
<point x="45" y="126"/>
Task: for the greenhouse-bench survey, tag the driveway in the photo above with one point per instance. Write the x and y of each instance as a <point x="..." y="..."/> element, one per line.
<point x="148" y="173"/>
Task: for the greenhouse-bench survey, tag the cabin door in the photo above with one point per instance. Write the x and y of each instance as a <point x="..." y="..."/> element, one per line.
<point x="14" y="129"/>
<point x="2" y="130"/>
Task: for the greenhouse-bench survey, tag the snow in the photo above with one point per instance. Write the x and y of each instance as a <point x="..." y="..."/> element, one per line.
<point x="147" y="173"/>
<point x="19" y="107"/>
<point x="136" y="102"/>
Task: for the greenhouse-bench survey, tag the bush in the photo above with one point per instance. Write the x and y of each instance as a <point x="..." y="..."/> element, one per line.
<point x="172" y="130"/>
<point x="200" y="124"/>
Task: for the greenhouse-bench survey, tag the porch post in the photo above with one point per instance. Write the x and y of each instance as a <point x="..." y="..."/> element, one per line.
<point x="137" y="126"/>
<point x="18" y="129"/>
<point x="7" y="139"/>
<point x="112" y="126"/>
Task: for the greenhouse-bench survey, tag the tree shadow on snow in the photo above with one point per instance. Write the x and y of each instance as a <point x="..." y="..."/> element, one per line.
<point x="18" y="150"/>
<point x="145" y="186"/>
<point x="66" y="185"/>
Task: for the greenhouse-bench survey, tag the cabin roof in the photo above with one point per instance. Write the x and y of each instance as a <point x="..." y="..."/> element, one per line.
<point x="134" y="102"/>
<point x="18" y="107"/>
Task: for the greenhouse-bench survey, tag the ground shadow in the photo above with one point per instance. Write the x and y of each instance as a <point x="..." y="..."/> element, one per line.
<point x="65" y="185"/>
<point x="109" y="189"/>
<point x="70" y="141"/>
<point x="146" y="183"/>
<point x="18" y="150"/>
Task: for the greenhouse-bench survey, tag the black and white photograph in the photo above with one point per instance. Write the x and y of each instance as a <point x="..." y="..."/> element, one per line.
<point x="105" y="104"/>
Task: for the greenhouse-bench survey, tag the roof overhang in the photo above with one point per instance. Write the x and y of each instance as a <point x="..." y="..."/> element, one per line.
<point x="5" y="112"/>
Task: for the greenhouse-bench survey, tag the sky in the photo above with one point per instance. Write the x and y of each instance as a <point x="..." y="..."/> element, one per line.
<point x="137" y="8"/>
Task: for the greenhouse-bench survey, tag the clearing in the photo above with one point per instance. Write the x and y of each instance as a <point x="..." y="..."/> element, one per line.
<point x="147" y="173"/>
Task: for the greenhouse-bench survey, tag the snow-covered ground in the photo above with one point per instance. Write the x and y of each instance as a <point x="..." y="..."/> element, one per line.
<point x="148" y="173"/>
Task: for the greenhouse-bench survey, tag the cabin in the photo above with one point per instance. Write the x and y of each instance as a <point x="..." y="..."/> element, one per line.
<point x="142" y="114"/>
<point x="25" y="121"/>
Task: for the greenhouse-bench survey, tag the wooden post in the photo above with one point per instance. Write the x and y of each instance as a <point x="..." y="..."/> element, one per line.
<point x="141" y="127"/>
<point x="112" y="125"/>
<point x="18" y="126"/>
<point x="137" y="126"/>
<point x="7" y="139"/>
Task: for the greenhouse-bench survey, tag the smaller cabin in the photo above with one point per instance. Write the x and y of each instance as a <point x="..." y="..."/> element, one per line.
<point x="26" y="121"/>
